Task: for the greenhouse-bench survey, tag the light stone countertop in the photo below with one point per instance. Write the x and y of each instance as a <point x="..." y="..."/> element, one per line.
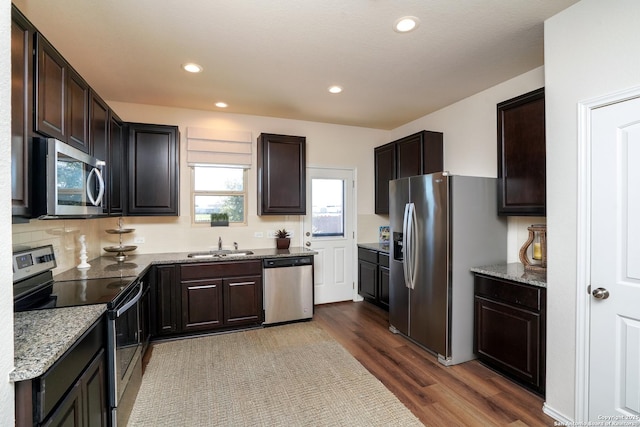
<point x="515" y="272"/>
<point x="42" y="336"/>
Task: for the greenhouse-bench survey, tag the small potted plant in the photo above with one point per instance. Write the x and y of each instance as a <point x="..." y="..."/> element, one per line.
<point x="219" y="219"/>
<point x="282" y="239"/>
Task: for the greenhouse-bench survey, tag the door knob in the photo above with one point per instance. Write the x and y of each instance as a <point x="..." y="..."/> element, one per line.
<point x="308" y="243"/>
<point x="600" y="293"/>
<point x="308" y="234"/>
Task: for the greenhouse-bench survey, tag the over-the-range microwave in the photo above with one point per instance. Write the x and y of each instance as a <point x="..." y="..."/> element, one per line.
<point x="66" y="181"/>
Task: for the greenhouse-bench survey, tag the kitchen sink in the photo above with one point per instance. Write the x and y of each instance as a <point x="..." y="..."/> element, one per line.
<point x="219" y="254"/>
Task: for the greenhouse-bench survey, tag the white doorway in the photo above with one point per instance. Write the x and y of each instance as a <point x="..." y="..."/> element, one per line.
<point x="609" y="365"/>
<point x="329" y="230"/>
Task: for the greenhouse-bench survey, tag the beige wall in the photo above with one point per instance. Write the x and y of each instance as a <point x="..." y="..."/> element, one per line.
<point x="327" y="146"/>
<point x="591" y="50"/>
<point x="6" y="299"/>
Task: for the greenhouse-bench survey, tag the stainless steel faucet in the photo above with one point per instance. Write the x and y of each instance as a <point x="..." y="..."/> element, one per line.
<point x="219" y="243"/>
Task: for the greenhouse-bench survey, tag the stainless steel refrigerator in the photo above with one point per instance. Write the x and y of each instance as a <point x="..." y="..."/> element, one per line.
<point x="441" y="226"/>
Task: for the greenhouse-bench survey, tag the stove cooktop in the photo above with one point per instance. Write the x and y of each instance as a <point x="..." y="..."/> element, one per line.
<point x="74" y="293"/>
<point x="34" y="287"/>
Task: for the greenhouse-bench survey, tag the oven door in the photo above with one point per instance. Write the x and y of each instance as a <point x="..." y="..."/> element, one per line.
<point x="125" y="350"/>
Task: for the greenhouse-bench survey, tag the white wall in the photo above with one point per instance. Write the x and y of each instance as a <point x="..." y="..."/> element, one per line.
<point x="6" y="298"/>
<point x="591" y="49"/>
<point x="471" y="140"/>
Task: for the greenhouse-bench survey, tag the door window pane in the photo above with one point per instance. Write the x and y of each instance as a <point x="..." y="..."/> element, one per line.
<point x="327" y="207"/>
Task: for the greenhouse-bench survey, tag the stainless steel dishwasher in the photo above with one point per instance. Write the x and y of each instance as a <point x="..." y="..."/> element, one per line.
<point x="288" y="289"/>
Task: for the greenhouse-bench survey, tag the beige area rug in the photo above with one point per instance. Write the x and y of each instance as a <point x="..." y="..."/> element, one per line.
<point x="289" y="375"/>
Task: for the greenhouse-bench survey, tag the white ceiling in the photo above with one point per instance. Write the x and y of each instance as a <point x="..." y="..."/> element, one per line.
<point x="277" y="57"/>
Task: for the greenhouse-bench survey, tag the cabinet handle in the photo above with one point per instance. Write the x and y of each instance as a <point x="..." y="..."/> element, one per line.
<point x="241" y="283"/>
<point x="202" y="287"/>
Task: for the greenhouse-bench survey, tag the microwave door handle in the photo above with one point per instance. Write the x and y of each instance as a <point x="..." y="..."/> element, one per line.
<point x="98" y="199"/>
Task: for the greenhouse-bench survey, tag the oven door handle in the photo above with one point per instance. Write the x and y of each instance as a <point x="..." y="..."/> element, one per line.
<point x="129" y="304"/>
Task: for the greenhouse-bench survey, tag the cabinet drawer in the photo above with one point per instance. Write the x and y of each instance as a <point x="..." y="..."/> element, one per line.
<point x="509" y="292"/>
<point x="368" y="255"/>
<point x="219" y="269"/>
<point x="383" y="260"/>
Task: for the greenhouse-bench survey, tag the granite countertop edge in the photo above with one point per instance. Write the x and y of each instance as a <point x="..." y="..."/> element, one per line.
<point x="41" y="337"/>
<point x="514" y="272"/>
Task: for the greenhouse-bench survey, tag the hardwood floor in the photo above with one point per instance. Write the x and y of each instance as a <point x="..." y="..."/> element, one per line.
<point x="468" y="394"/>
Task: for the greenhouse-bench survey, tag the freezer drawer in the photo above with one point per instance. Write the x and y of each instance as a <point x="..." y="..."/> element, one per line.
<point x="288" y="290"/>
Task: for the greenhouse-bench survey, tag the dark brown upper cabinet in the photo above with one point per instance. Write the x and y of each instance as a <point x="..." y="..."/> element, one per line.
<point x="281" y="175"/>
<point x="21" y="111"/>
<point x="117" y="165"/>
<point x="416" y="154"/>
<point x="62" y="98"/>
<point x="521" y="155"/>
<point x="153" y="170"/>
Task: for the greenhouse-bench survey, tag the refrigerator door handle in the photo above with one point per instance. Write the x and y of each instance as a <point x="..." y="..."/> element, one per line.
<point x="412" y="230"/>
<point x="405" y="245"/>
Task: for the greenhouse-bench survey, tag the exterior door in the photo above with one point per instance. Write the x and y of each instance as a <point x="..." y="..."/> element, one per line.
<point x="614" y="356"/>
<point x="328" y="230"/>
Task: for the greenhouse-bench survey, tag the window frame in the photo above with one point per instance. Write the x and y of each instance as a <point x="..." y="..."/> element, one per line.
<point x="244" y="193"/>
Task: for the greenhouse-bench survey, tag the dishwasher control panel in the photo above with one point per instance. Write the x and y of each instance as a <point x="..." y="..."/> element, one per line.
<point x="288" y="262"/>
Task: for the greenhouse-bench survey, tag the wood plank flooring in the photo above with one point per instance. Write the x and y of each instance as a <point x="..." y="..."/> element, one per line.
<point x="468" y="394"/>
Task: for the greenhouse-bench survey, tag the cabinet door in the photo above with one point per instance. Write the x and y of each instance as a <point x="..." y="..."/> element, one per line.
<point x="69" y="412"/>
<point x="243" y="300"/>
<point x="409" y="156"/>
<point x="153" y="170"/>
<point x="77" y="111"/>
<point x="508" y="337"/>
<point x="165" y="302"/>
<point x="385" y="171"/>
<point x="383" y="286"/>
<point x="521" y="155"/>
<point x="432" y="152"/>
<point x="51" y="89"/>
<point x="201" y="305"/>
<point x="21" y="110"/>
<point x="99" y="138"/>
<point x="367" y="279"/>
<point x="94" y="393"/>
<point x="281" y="175"/>
<point x="116" y="165"/>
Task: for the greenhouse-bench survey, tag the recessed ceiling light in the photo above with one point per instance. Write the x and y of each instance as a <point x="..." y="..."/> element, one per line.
<point x="406" y="24"/>
<point x="221" y="104"/>
<point x="191" y="67"/>
<point x="335" y="89"/>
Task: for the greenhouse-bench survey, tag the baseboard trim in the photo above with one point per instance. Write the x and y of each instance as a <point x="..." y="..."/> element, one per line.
<point x="561" y="420"/>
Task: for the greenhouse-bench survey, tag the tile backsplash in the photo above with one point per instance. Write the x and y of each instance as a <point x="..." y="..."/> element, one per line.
<point x="63" y="235"/>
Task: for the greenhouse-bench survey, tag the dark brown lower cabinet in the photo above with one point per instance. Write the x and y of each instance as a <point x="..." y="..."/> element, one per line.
<point x="207" y="296"/>
<point x="73" y="392"/>
<point x="164" y="301"/>
<point x="510" y="329"/>
<point x="373" y="276"/>
<point x="201" y="305"/>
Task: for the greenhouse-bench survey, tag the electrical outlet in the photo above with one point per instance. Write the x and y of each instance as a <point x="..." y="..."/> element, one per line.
<point x="271" y="233"/>
<point x="291" y="233"/>
<point x="138" y="240"/>
<point x="258" y="234"/>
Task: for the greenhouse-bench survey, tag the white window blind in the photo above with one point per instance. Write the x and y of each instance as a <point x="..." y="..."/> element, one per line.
<point x="219" y="147"/>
